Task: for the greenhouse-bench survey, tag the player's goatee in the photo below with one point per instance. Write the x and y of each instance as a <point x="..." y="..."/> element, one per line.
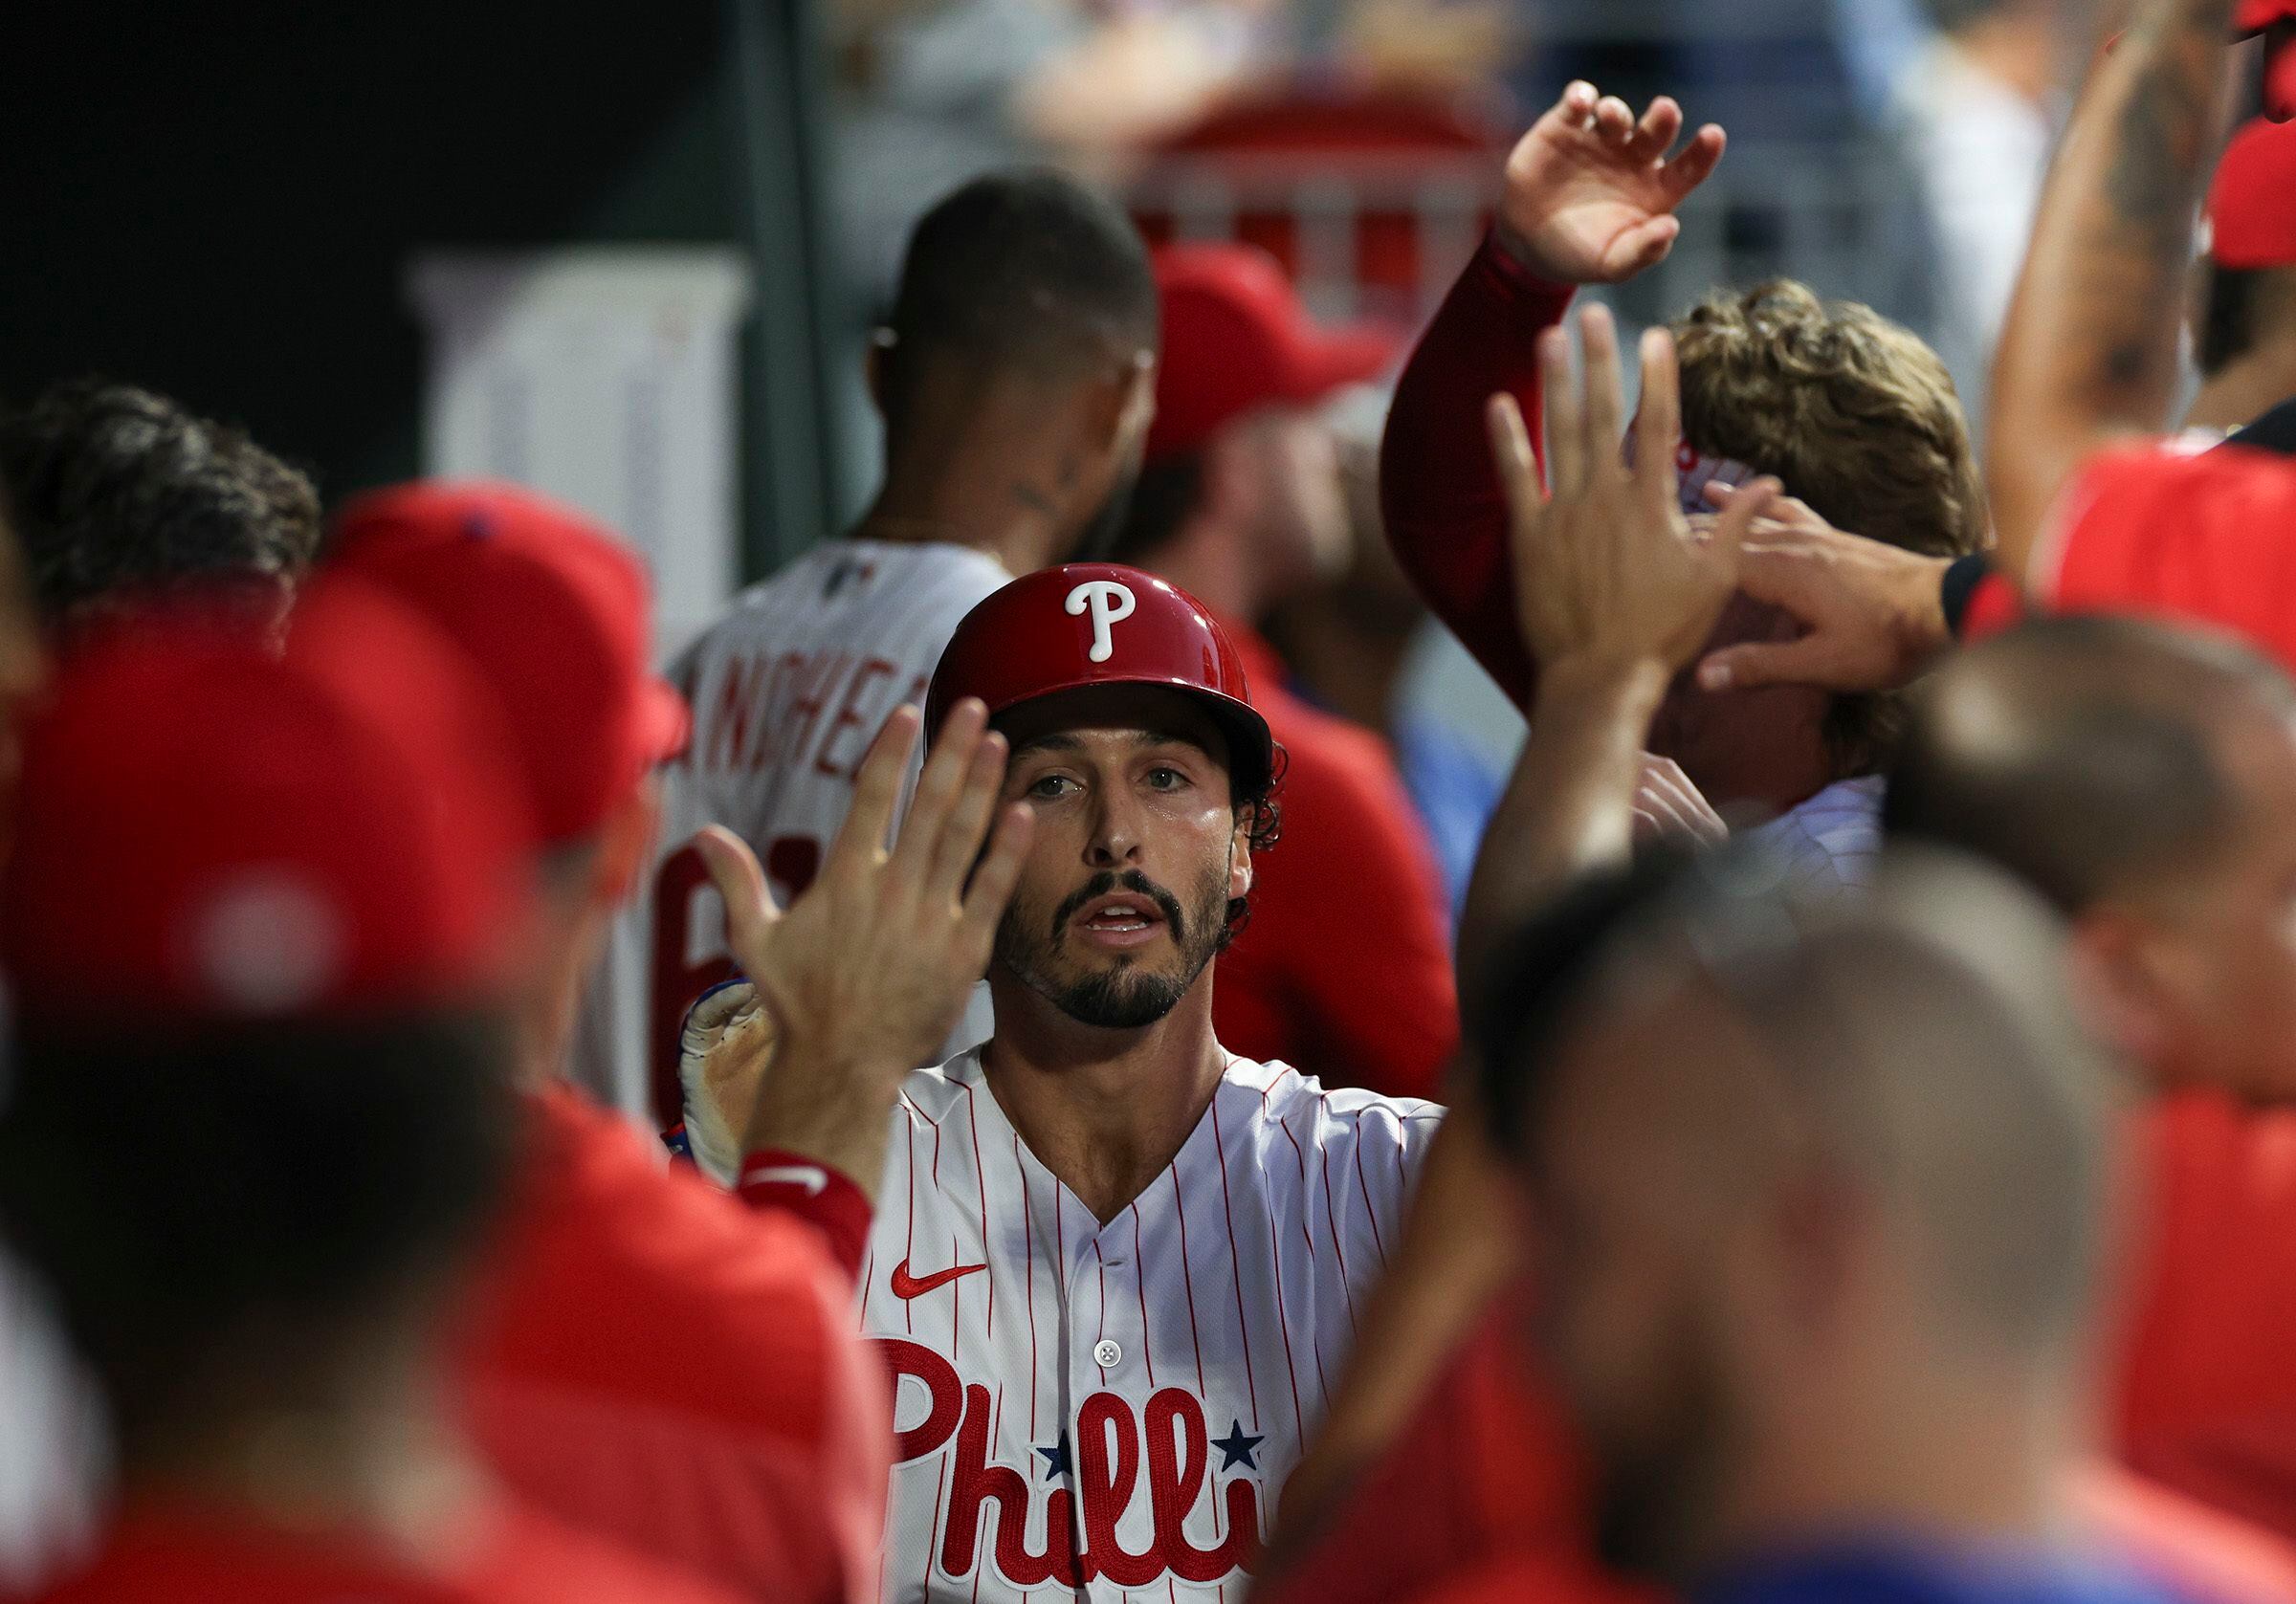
<point x="1124" y="995"/>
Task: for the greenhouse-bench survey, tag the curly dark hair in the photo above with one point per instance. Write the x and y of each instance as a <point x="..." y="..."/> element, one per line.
<point x="116" y="492"/>
<point x="1266" y="830"/>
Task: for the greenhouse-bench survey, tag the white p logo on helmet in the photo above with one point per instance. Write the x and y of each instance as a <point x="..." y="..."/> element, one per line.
<point x="1111" y="602"/>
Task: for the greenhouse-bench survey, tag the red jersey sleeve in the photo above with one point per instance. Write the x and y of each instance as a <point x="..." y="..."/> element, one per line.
<point x="1440" y="494"/>
<point x="2208" y="538"/>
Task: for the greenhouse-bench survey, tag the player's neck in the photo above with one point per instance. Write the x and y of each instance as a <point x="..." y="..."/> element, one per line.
<point x="2245" y="390"/>
<point x="994" y="501"/>
<point x="1105" y="1110"/>
<point x="358" y="1442"/>
<point x="1941" y="1452"/>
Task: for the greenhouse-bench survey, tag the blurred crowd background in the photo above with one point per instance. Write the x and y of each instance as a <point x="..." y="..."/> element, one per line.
<point x="439" y="160"/>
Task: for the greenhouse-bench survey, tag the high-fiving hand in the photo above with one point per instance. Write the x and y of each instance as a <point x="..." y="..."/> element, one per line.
<point x="1606" y="567"/>
<point x="1589" y="194"/>
<point x="868" y="971"/>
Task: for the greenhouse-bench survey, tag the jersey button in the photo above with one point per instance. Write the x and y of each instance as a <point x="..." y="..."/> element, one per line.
<point x="1107" y="1354"/>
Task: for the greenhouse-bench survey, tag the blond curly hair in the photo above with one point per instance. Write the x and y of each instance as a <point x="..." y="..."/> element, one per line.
<point x="1856" y="416"/>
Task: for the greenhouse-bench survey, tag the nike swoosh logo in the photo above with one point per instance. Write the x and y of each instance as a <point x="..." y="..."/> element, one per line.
<point x="906" y="1285"/>
<point x="806" y="1176"/>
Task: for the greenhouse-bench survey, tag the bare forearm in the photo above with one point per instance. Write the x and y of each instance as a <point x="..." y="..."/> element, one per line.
<point x="1569" y="806"/>
<point x="2089" y="349"/>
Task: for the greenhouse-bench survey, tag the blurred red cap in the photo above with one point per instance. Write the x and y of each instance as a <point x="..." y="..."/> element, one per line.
<point x="556" y="613"/>
<point x="215" y="825"/>
<point x="2252" y="203"/>
<point x="2254" y="16"/>
<point x="1236" y="337"/>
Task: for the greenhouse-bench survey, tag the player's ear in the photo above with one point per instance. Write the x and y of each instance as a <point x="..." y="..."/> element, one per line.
<point x="2121" y="983"/>
<point x="1122" y="404"/>
<point x="1239" y="853"/>
<point x="872" y="365"/>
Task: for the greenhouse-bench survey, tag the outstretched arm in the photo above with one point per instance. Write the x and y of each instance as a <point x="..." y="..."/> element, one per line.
<point x="2088" y="354"/>
<point x="1613" y="592"/>
<point x="1588" y="198"/>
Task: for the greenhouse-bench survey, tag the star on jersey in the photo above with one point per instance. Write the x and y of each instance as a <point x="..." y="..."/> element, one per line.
<point x="1236" y="1448"/>
<point x="1056" y="1458"/>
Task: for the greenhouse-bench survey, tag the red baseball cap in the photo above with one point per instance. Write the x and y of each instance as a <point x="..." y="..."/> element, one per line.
<point x="556" y="613"/>
<point x="219" y="827"/>
<point x="2252" y="203"/>
<point x="1236" y="338"/>
<point x="1091" y="623"/>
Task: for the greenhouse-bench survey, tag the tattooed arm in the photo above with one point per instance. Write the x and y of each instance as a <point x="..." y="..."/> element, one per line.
<point x="2089" y="350"/>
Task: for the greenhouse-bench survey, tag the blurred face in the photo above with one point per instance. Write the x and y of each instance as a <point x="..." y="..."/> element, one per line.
<point x="1630" y="1302"/>
<point x="1135" y="855"/>
<point x="1298" y="520"/>
<point x="1765" y="746"/>
<point x="2219" y="968"/>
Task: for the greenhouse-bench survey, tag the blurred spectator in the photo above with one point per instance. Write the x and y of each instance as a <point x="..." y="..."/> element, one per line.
<point x="117" y="494"/>
<point x="1362" y="643"/>
<point x="610" y="1279"/>
<point x="2247" y="315"/>
<point x="1979" y="109"/>
<point x="933" y="93"/>
<point x="1240" y="504"/>
<point x="258" y="1246"/>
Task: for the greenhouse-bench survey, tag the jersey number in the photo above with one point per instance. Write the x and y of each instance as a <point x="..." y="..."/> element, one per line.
<point x="791" y="862"/>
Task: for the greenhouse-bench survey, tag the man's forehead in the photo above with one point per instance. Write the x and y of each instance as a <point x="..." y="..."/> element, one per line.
<point x="1126" y="716"/>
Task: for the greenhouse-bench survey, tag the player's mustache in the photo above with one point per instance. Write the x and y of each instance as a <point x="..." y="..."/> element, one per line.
<point x="1130" y="880"/>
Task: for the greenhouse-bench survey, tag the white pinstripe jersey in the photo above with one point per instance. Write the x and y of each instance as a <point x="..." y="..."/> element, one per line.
<point x="1109" y="1413"/>
<point x="1829" y="841"/>
<point x="788" y="689"/>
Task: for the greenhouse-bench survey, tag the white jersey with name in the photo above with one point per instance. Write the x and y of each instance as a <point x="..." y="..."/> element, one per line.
<point x="1110" y="1412"/>
<point x="788" y="691"/>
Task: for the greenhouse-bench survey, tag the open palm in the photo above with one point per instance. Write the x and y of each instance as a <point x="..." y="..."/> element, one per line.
<point x="1590" y="193"/>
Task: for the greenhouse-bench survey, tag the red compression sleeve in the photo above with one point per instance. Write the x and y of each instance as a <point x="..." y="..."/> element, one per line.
<point x="825" y="1198"/>
<point x="1440" y="494"/>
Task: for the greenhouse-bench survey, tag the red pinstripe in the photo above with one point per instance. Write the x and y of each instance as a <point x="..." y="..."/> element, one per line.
<point x="1226" y="1203"/>
<point x="1365" y="1186"/>
<point x="1139" y="1279"/>
<point x="909" y="1253"/>
<point x="1103" y="1333"/>
<point x="1315" y="1332"/>
<point x="1283" y="1324"/>
<point x="1187" y="1278"/>
<point x="1028" y="1257"/>
<point x="972" y="1112"/>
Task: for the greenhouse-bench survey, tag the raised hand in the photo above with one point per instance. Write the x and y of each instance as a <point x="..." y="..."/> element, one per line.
<point x="1590" y="194"/>
<point x="1606" y="567"/>
<point x="868" y="971"/>
<point x="1872" y="615"/>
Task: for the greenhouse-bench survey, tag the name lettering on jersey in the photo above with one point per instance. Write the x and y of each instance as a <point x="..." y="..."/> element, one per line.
<point x="1167" y="1443"/>
<point x="769" y="711"/>
<point x="1111" y="603"/>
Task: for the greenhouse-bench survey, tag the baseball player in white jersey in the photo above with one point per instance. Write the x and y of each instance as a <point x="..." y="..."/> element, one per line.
<point x="1016" y="379"/>
<point x="1113" y="1270"/>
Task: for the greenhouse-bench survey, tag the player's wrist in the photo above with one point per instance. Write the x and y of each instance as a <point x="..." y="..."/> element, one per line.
<point x="1614" y="680"/>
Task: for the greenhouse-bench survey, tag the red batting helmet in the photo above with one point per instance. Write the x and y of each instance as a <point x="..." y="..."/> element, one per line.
<point x="1102" y="623"/>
